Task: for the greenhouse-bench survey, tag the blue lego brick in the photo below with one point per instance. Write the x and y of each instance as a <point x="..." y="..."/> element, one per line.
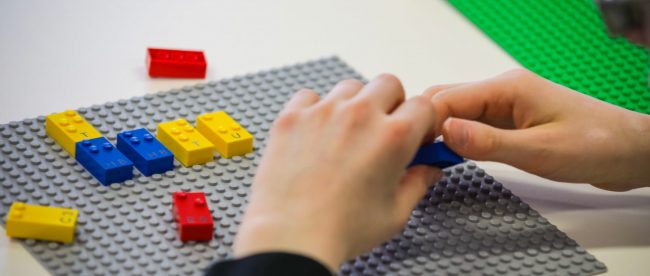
<point x="145" y="151"/>
<point x="436" y="154"/>
<point x="103" y="161"/>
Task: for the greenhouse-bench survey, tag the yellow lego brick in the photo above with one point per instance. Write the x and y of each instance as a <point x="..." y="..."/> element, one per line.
<point x="226" y="134"/>
<point x="67" y="128"/>
<point x="41" y="222"/>
<point x="187" y="144"/>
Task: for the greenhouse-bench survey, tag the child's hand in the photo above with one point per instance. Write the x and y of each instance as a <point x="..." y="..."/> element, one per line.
<point x="332" y="182"/>
<point x="526" y="121"/>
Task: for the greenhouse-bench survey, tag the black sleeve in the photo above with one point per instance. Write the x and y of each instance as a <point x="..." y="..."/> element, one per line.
<point x="269" y="264"/>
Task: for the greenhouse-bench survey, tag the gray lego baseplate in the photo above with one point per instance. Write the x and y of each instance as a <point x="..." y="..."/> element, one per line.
<point x="468" y="224"/>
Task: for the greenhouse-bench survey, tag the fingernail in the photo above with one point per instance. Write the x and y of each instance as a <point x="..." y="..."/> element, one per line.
<point x="458" y="131"/>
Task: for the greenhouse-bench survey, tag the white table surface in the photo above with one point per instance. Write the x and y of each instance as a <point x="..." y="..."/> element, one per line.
<point x="57" y="55"/>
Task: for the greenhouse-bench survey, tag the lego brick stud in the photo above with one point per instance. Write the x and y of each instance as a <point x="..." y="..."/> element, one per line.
<point x="41" y="222"/>
<point x="176" y="63"/>
<point x="67" y="128"/>
<point x="193" y="217"/>
<point x="103" y="161"/>
<point x="228" y="137"/>
<point x="145" y="151"/>
<point x="188" y="145"/>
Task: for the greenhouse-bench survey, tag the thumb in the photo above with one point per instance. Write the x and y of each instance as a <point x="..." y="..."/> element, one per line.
<point x="478" y="141"/>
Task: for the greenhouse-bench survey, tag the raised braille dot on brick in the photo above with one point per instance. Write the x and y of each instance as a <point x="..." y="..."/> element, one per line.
<point x="134" y="140"/>
<point x="107" y="146"/>
<point x="93" y="149"/>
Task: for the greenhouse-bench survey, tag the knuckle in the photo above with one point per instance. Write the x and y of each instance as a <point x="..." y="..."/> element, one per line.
<point x="391" y="81"/>
<point x="286" y="120"/>
<point x="518" y="73"/>
<point x="398" y="130"/>
<point x="424" y="108"/>
<point x="354" y="83"/>
<point x="422" y="103"/>
<point x="306" y="92"/>
<point x="354" y="113"/>
<point x="325" y="108"/>
<point x="432" y="90"/>
<point x="519" y="78"/>
<point x="511" y="82"/>
<point x="386" y="77"/>
<point x="355" y="109"/>
<point x="359" y="106"/>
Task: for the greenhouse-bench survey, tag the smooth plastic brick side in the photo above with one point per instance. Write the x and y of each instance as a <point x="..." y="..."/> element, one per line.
<point x="145" y="151"/>
<point x="104" y="161"/>
<point x="468" y="224"/>
<point x="188" y="145"/>
<point x="228" y="137"/>
<point x="41" y="222"/>
<point x="436" y="154"/>
<point x="176" y="63"/>
<point x="67" y="128"/>
<point x="566" y="42"/>
<point x="193" y="217"/>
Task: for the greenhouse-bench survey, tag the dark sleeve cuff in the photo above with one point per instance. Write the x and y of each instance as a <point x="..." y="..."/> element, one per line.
<point x="269" y="264"/>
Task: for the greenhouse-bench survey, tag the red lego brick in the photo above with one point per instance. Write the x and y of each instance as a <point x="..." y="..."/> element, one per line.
<point x="176" y="63"/>
<point x="193" y="218"/>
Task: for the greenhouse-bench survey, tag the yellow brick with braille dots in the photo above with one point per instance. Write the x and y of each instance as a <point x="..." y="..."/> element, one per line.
<point x="41" y="222"/>
<point x="188" y="145"/>
<point x="225" y="133"/>
<point x="67" y="128"/>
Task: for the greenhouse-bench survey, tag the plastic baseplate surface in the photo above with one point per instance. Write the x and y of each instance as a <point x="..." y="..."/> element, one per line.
<point x="467" y="224"/>
<point x="566" y="42"/>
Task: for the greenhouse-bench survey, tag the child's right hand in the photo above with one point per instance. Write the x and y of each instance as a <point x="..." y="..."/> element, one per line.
<point x="541" y="127"/>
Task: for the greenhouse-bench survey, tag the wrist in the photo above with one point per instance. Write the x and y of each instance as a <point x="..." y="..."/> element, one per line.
<point x="262" y="234"/>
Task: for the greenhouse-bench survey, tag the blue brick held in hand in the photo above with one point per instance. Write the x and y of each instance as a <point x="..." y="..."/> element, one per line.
<point x="103" y="161"/>
<point x="145" y="151"/>
<point x="436" y="154"/>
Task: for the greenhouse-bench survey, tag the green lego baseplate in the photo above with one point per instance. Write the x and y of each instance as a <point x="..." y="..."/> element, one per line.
<point x="567" y="42"/>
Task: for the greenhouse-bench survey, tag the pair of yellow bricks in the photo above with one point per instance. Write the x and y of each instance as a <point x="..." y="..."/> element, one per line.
<point x="190" y="146"/>
<point x="213" y="131"/>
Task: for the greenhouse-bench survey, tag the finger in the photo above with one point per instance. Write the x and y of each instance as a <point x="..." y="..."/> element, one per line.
<point x="418" y="112"/>
<point x="302" y="99"/>
<point x="385" y="91"/>
<point x="492" y="101"/>
<point x="433" y="90"/>
<point x="471" y="101"/>
<point x="478" y="141"/>
<point x="344" y="90"/>
<point x="413" y="186"/>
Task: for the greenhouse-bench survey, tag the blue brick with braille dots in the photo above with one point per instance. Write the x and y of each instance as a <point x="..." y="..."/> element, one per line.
<point x="436" y="154"/>
<point x="145" y="151"/>
<point x="103" y="161"/>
